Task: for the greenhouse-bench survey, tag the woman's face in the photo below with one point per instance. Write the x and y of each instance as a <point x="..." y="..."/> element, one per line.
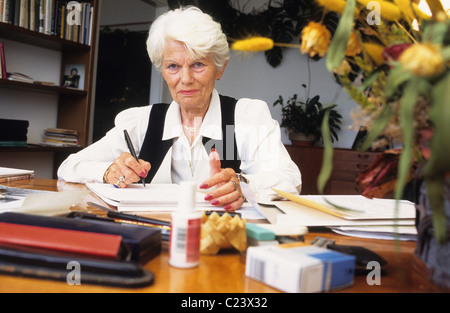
<point x="190" y="81"/>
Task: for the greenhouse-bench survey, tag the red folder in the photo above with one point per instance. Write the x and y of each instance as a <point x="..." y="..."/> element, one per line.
<point x="62" y="240"/>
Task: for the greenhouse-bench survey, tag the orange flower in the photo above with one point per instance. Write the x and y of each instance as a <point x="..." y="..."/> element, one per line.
<point x="423" y="60"/>
<point x="315" y="39"/>
<point x="353" y="46"/>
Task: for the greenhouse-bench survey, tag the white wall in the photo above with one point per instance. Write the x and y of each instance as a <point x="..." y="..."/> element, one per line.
<point x="251" y="76"/>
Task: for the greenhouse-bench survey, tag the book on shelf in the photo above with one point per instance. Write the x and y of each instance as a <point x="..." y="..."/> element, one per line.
<point x="13" y="133"/>
<point x="70" y="20"/>
<point x="20" y="77"/>
<point x="2" y="61"/>
<point x="60" y="137"/>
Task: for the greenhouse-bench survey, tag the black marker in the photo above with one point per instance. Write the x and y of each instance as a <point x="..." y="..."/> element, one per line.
<point x="131" y="148"/>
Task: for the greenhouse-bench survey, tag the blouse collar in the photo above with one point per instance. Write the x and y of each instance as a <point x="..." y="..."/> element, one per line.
<point x="211" y="126"/>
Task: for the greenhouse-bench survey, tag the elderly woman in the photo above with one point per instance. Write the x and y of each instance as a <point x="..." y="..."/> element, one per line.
<point x="214" y="140"/>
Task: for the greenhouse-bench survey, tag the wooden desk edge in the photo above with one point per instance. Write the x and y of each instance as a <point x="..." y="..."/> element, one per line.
<point x="228" y="268"/>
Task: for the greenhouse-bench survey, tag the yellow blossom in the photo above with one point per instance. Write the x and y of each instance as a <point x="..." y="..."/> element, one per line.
<point x="315" y="39"/>
<point x="410" y="10"/>
<point x="388" y="10"/>
<point x="423" y="60"/>
<point x="343" y="69"/>
<point x="353" y="46"/>
<point x="335" y="5"/>
<point x="375" y="51"/>
<point x="253" y="44"/>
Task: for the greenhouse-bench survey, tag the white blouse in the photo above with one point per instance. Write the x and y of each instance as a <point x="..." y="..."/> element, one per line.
<point x="264" y="159"/>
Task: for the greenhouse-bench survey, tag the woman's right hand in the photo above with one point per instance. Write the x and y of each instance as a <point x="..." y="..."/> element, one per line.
<point x="125" y="170"/>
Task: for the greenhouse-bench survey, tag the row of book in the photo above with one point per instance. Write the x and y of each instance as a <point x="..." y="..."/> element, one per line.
<point x="69" y="20"/>
<point x="60" y="137"/>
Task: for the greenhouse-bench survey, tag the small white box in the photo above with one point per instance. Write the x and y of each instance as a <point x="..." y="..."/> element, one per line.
<point x="300" y="269"/>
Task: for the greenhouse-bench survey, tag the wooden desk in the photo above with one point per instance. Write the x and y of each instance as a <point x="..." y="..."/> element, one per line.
<point x="225" y="272"/>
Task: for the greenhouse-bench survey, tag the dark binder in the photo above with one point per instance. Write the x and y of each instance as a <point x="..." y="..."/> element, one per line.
<point x="19" y="261"/>
<point x="143" y="242"/>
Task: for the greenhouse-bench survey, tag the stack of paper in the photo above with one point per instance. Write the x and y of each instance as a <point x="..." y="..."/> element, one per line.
<point x="136" y="197"/>
<point x="353" y="215"/>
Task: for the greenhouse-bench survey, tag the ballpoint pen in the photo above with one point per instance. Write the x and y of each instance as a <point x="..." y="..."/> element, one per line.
<point x="131" y="148"/>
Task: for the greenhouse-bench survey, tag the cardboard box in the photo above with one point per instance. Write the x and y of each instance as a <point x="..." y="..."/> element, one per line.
<point x="300" y="269"/>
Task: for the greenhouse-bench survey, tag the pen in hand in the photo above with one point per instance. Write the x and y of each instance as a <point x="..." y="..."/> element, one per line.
<point x="131" y="148"/>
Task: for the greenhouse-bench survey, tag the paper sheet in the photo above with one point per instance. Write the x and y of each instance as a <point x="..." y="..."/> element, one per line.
<point x="356" y="207"/>
<point x="38" y="201"/>
<point x="157" y="197"/>
<point x="300" y="215"/>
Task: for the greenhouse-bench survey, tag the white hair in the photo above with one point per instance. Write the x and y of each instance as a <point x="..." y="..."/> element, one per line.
<point x="197" y="30"/>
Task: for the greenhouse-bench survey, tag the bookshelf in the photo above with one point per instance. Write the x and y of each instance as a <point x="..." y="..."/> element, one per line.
<point x="73" y="105"/>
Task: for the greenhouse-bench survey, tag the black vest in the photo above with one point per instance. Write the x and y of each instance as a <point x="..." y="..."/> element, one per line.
<point x="154" y="149"/>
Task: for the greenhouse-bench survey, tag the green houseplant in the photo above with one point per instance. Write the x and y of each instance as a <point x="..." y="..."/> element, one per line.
<point x="305" y="117"/>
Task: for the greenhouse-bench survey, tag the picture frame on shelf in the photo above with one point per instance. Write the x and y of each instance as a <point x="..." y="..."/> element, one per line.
<point x="74" y="76"/>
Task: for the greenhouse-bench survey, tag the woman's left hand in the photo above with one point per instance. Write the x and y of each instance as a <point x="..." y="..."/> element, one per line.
<point x="228" y="191"/>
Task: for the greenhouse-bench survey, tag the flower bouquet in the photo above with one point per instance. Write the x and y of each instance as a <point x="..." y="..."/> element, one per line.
<point x="392" y="58"/>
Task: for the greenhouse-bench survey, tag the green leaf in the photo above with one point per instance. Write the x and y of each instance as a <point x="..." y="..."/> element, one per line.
<point x="435" y="32"/>
<point x="336" y="51"/>
<point x="413" y="89"/>
<point x="438" y="164"/>
<point x="327" y="163"/>
<point x="445" y="52"/>
<point x="397" y="77"/>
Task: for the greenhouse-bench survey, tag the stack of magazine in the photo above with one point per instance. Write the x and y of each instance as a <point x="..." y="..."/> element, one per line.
<point x="60" y="137"/>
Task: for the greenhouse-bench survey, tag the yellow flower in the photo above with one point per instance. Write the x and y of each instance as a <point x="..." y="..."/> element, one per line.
<point x="410" y="10"/>
<point x="375" y="51"/>
<point x="315" y="39"/>
<point x="343" y="69"/>
<point x="333" y="5"/>
<point x="388" y="10"/>
<point x="423" y="60"/>
<point x="253" y="44"/>
<point x="353" y="46"/>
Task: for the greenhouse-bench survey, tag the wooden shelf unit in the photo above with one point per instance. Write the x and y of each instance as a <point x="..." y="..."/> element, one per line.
<point x="347" y="164"/>
<point x="74" y="106"/>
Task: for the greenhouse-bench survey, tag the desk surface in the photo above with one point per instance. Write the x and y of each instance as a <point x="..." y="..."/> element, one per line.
<point x="225" y="272"/>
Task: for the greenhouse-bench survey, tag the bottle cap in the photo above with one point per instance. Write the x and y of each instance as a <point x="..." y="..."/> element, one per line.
<point x="186" y="201"/>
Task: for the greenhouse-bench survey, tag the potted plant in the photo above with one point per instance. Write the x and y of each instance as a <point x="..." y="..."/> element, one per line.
<point x="303" y="119"/>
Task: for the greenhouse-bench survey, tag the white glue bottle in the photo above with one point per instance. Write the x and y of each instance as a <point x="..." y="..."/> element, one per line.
<point x="185" y="231"/>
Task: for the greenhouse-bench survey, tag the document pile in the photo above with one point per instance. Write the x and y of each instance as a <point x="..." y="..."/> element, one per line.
<point x="153" y="197"/>
<point x="353" y="215"/>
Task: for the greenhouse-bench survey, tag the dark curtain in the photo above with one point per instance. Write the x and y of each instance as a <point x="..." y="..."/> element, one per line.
<point x="123" y="76"/>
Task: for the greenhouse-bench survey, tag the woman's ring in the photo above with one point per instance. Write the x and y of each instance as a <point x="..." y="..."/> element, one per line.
<point x="235" y="184"/>
<point x="121" y="178"/>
